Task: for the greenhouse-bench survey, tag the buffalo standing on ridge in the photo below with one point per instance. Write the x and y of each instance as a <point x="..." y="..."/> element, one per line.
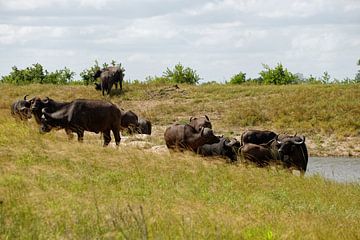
<point x="108" y="77"/>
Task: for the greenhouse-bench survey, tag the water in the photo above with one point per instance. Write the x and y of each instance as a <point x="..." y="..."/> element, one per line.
<point x="341" y="169"/>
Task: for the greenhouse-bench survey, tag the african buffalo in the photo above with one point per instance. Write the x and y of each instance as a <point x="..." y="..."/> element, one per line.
<point x="290" y="151"/>
<point x="200" y="122"/>
<point x="144" y="126"/>
<point x="108" y="77"/>
<point x="257" y="136"/>
<point x="20" y="109"/>
<point x="182" y="137"/>
<point x="37" y="106"/>
<point x="129" y="121"/>
<point x="86" y="115"/>
<point x="225" y="148"/>
<point x="293" y="152"/>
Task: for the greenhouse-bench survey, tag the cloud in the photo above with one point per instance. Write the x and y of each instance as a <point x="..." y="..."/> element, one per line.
<point x="218" y="38"/>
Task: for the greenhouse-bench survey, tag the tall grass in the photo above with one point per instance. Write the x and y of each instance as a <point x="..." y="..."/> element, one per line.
<point x="53" y="188"/>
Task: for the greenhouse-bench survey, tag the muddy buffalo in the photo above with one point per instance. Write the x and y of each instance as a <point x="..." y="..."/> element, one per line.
<point x="200" y="122"/>
<point x="182" y="137"/>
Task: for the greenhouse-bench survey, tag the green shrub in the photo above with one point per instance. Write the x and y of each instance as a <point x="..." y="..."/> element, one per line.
<point x="238" y="78"/>
<point x="37" y="74"/>
<point x="278" y="76"/>
<point x="180" y="74"/>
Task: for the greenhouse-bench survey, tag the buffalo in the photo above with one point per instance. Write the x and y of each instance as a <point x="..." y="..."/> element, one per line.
<point x="200" y="122"/>
<point x="20" y="109"/>
<point x="108" y="77"/>
<point x="186" y="137"/>
<point x="129" y="121"/>
<point x="257" y="136"/>
<point x="37" y="106"/>
<point x="290" y="151"/>
<point x="225" y="148"/>
<point x="144" y="126"/>
<point x="85" y="115"/>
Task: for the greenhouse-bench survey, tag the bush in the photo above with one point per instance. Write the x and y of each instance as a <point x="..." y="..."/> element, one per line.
<point x="180" y="74"/>
<point x="238" y="78"/>
<point x="278" y="76"/>
<point x="37" y="74"/>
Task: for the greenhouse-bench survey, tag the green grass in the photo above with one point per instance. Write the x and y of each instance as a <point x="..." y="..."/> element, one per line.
<point x="53" y="188"/>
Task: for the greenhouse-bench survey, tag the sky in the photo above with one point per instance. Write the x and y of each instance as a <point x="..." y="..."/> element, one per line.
<point x="217" y="38"/>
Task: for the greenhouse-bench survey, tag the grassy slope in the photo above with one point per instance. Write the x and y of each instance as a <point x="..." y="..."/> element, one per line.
<point x="52" y="188"/>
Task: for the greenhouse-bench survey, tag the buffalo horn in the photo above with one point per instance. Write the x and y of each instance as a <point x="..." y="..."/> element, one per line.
<point x="207" y="117"/>
<point x="301" y="142"/>
<point x="277" y="140"/>
<point x="25" y="96"/>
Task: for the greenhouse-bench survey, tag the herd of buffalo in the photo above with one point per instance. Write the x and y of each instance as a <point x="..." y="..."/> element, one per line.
<point x="77" y="116"/>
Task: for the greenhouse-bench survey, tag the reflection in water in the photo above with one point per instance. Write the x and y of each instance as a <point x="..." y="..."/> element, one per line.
<point x="339" y="169"/>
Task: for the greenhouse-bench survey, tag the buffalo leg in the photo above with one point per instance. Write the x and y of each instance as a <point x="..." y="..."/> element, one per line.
<point x="107" y="137"/>
<point x="80" y="135"/>
<point x="120" y="85"/>
<point x="117" y="136"/>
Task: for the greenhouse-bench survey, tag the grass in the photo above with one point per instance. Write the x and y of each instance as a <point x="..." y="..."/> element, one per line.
<point x="53" y="188"/>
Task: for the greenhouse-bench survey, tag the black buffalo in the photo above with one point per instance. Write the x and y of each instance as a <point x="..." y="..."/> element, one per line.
<point x="37" y="106"/>
<point x="20" y="109"/>
<point x="86" y="115"/>
<point x="129" y="121"/>
<point x="108" y="77"/>
<point x="144" y="126"/>
<point x="200" y="122"/>
<point x="257" y="136"/>
<point x="225" y="148"/>
<point x="186" y="137"/>
<point x="290" y="151"/>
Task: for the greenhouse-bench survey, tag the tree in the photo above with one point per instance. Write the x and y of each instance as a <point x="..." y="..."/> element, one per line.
<point x="238" y="78"/>
<point x="279" y="75"/>
<point x="180" y="74"/>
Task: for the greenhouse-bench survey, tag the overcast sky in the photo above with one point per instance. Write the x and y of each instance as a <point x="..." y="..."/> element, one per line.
<point x="216" y="38"/>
